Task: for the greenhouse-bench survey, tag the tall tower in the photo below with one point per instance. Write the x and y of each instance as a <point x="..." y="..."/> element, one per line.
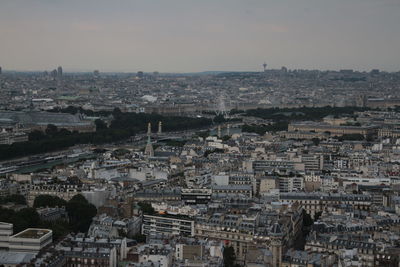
<point x="149" y="151"/>
<point x="219" y="131"/>
<point x="276" y="245"/>
<point x="265" y="66"/>
<point x="159" y="127"/>
<point x="59" y="71"/>
<point x="0" y="70"/>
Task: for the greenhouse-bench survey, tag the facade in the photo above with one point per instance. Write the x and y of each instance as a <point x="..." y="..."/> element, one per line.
<point x="189" y="252"/>
<point x="7" y="138"/>
<point x="52" y="214"/>
<point x="6" y="230"/>
<point x="243" y="232"/>
<point x="265" y="184"/>
<point x="162" y="195"/>
<point x="291" y="183"/>
<point x="168" y="225"/>
<point x="261" y="166"/>
<point x="103" y="226"/>
<point x="65" y="192"/>
<point x="333" y="130"/>
<point x="318" y="202"/>
<point x="30" y="240"/>
<point x="246" y="190"/>
<point x="366" y="250"/>
<point x="155" y="254"/>
<point x="193" y="196"/>
<point x="312" y="182"/>
<point x="90" y="257"/>
<point x="312" y="162"/>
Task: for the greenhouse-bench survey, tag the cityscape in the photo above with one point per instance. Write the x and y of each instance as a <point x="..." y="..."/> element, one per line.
<point x="259" y="166"/>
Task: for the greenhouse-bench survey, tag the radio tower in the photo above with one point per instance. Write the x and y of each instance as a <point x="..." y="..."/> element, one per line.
<point x="265" y="66"/>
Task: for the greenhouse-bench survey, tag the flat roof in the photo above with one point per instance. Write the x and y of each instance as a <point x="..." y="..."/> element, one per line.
<point x="32" y="233"/>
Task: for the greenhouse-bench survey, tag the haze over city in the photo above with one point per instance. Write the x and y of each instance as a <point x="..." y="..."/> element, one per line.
<point x="199" y="133"/>
<point x="190" y="36"/>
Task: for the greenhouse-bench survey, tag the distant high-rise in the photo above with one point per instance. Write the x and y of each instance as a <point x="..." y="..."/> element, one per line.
<point x="96" y="73"/>
<point x="53" y="73"/>
<point x="59" y="71"/>
<point x="0" y="70"/>
<point x="140" y="74"/>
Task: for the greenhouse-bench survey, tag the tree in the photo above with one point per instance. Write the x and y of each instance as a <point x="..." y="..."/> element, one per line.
<point x="226" y="138"/>
<point x="307" y="219"/>
<point x="146" y="208"/>
<point x="317" y="215"/>
<point x="48" y="201"/>
<point x="80" y="213"/>
<point x="116" y="112"/>
<point x="36" y="135"/>
<point x="51" y="130"/>
<point x="140" y="238"/>
<point x="59" y="227"/>
<point x="6" y="215"/>
<point x="25" y="218"/>
<point x="316" y="141"/>
<point x="100" y="125"/>
<point x="219" y="119"/>
<point x="229" y="257"/>
<point x="203" y="134"/>
<point x="123" y="126"/>
<point x="17" y="199"/>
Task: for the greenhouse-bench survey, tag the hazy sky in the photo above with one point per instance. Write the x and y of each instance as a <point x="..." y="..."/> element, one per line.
<point x="198" y="35"/>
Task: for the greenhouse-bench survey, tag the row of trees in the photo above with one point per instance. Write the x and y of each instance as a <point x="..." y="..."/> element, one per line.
<point x="17" y="199"/>
<point x="80" y="214"/>
<point x="303" y="113"/>
<point x="262" y="128"/>
<point x="21" y="219"/>
<point x="122" y="127"/>
<point x="229" y="257"/>
<point x="80" y="211"/>
<point x="281" y="117"/>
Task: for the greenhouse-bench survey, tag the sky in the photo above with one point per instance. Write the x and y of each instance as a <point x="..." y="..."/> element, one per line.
<point x="199" y="35"/>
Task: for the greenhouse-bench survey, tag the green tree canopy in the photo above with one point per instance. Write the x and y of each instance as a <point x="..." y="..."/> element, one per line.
<point x="17" y="199"/>
<point x="48" y="201"/>
<point x="80" y="213"/>
<point x="146" y="208"/>
<point x="229" y="257"/>
<point x="100" y="125"/>
<point x="25" y="218"/>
